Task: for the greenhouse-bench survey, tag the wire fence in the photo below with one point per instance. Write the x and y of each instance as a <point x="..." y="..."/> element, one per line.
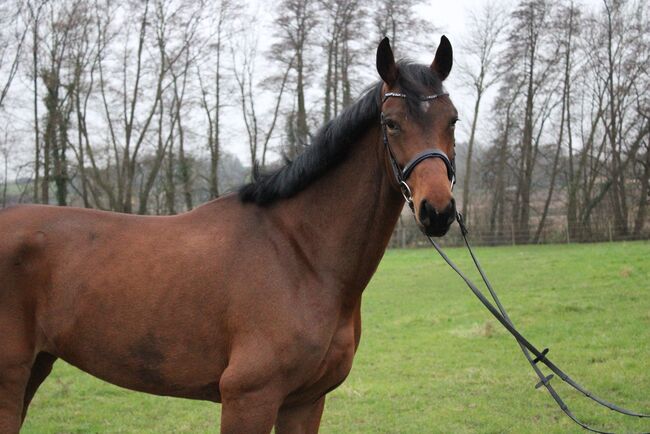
<point x="408" y="235"/>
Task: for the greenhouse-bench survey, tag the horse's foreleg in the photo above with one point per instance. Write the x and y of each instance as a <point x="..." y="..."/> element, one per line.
<point x="304" y="419"/>
<point x="250" y="402"/>
<point x="16" y="360"/>
<point x="40" y="370"/>
<point x="13" y="380"/>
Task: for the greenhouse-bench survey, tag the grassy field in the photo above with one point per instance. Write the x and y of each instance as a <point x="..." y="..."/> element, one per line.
<point x="431" y="358"/>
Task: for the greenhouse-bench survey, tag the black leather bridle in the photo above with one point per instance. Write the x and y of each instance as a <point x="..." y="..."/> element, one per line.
<point x="402" y="175"/>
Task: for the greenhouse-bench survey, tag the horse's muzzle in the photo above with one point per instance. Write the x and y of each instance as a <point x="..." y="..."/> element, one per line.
<point x="436" y="223"/>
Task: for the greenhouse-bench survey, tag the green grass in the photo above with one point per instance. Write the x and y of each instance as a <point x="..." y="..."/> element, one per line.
<point x="433" y="360"/>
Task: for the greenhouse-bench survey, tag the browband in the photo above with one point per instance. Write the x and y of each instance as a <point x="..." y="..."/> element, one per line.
<point x="403" y="95"/>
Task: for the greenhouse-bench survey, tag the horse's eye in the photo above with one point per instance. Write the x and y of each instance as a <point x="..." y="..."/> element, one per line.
<point x="391" y="125"/>
<point x="453" y="122"/>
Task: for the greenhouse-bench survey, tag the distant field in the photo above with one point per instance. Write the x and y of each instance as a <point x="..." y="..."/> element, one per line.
<point x="431" y="358"/>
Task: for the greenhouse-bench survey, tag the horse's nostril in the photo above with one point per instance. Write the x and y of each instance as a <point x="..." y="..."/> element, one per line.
<point x="427" y="213"/>
<point x="451" y="209"/>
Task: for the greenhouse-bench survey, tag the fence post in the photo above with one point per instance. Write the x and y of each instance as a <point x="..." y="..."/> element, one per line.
<point x="568" y="239"/>
<point x="609" y="230"/>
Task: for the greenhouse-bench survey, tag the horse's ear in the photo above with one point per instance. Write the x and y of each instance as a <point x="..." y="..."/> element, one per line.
<point x="386" y="63"/>
<point x="444" y="59"/>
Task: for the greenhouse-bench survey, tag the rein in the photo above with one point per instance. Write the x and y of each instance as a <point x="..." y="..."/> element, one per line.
<point x="402" y="175"/>
<point x="527" y="348"/>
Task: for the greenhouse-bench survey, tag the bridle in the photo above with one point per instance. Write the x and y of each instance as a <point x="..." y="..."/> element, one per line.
<point x="402" y="175"/>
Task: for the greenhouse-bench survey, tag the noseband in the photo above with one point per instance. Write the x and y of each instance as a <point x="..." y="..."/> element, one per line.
<point x="402" y="175"/>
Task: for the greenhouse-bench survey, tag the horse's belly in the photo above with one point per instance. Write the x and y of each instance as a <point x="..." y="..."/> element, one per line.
<point x="156" y="330"/>
<point x="167" y="349"/>
<point x="146" y="366"/>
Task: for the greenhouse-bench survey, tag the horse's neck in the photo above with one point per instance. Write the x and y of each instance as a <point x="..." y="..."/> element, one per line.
<point x="343" y="221"/>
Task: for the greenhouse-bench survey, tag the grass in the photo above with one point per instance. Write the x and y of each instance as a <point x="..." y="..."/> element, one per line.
<point x="433" y="360"/>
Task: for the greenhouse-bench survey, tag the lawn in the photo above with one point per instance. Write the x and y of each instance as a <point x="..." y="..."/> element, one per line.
<point x="433" y="360"/>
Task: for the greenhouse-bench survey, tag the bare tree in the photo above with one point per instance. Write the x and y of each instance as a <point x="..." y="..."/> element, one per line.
<point x="343" y="23"/>
<point x="55" y="75"/>
<point x="142" y="84"/>
<point x="505" y="107"/>
<point x="644" y="194"/>
<point x="295" y="35"/>
<point x="401" y="22"/>
<point x="527" y="42"/>
<point x="13" y="33"/>
<point x="211" y="102"/>
<point x="479" y="71"/>
<point x="243" y="59"/>
<point x="34" y="18"/>
<point x="566" y="24"/>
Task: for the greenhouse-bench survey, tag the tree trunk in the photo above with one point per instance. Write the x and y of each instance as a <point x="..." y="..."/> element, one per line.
<point x="470" y="150"/>
<point x="526" y="176"/>
<point x="302" y="131"/>
<point x="644" y="196"/>
<point x="215" y="147"/>
<point x="327" y="109"/>
<point x="184" y="166"/>
<point x="170" y="193"/>
<point x="566" y="101"/>
<point x="37" y="145"/>
<point x="345" y="73"/>
<point x="5" y="155"/>
<point x="497" y="216"/>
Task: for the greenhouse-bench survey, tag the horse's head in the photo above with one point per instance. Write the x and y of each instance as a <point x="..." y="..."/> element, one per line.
<point x="418" y="120"/>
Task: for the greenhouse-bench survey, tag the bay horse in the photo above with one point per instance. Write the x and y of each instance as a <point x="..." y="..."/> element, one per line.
<point x="251" y="300"/>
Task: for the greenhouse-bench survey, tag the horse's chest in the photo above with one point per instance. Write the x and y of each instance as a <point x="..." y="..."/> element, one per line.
<point x="336" y="364"/>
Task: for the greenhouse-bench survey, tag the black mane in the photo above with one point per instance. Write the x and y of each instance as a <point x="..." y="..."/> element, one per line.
<point x="333" y="141"/>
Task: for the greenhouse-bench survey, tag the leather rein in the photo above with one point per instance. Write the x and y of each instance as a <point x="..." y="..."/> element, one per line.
<point x="533" y="355"/>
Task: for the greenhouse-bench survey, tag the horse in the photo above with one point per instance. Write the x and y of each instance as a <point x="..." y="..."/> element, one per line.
<point x="251" y="300"/>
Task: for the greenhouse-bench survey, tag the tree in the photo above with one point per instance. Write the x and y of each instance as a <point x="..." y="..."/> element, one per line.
<point x="565" y="22"/>
<point x="34" y="18"/>
<point x="401" y="22"/>
<point x="527" y="41"/>
<point x="244" y="73"/>
<point x="59" y="81"/>
<point x="13" y="33"/>
<point x="506" y="114"/>
<point x="295" y="39"/>
<point x="224" y="14"/>
<point x="342" y="21"/>
<point x="479" y="71"/>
